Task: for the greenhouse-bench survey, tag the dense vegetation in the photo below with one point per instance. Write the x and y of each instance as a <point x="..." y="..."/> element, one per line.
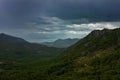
<point x="21" y="60"/>
<point x="95" y="57"/>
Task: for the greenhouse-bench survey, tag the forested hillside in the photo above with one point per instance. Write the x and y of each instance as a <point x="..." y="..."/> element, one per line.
<point x="95" y="57"/>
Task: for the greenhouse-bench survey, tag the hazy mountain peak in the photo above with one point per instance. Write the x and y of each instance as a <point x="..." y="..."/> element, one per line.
<point x="61" y="43"/>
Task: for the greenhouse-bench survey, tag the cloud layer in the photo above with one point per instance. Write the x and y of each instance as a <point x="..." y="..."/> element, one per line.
<point x="46" y="20"/>
<point x="54" y="28"/>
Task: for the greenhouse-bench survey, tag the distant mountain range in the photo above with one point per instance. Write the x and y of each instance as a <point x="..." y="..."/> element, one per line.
<point x="15" y="48"/>
<point x="61" y="43"/>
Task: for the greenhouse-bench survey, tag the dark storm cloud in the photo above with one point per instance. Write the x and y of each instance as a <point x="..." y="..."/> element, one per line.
<point x="27" y="10"/>
<point x="19" y="11"/>
<point x="51" y="19"/>
<point x="93" y="9"/>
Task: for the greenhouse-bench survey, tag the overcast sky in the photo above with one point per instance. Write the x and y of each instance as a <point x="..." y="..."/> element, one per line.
<point x="48" y="20"/>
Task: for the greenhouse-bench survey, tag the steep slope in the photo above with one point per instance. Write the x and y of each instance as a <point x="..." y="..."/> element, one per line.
<point x="95" y="57"/>
<point x="61" y="43"/>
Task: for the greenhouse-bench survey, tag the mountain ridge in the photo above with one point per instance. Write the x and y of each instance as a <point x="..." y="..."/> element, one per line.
<point x="95" y="57"/>
<point x="61" y="43"/>
<point x="8" y="39"/>
<point x="19" y="47"/>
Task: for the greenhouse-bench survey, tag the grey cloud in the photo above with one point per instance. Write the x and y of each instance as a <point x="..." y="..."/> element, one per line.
<point x="24" y="18"/>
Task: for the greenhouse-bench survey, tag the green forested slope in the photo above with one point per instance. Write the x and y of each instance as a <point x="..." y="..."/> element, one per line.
<point x="22" y="60"/>
<point x="95" y="57"/>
